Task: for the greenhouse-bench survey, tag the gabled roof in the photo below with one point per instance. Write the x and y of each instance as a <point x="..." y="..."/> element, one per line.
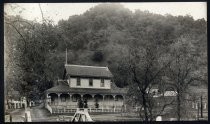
<point x="88" y="71"/>
<point x="64" y="88"/>
<point x="170" y="93"/>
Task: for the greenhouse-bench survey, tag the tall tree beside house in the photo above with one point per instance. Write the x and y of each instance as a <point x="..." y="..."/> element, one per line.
<point x="183" y="70"/>
<point x="29" y="55"/>
<point x="15" y="44"/>
<point x="146" y="63"/>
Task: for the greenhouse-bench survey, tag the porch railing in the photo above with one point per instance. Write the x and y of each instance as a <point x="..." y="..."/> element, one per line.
<point x="49" y="108"/>
<point x="71" y="109"/>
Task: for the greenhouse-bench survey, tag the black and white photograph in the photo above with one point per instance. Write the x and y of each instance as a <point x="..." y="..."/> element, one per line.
<point x="105" y="62"/>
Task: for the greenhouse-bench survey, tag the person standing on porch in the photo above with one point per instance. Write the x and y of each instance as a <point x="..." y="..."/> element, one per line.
<point x="80" y="103"/>
<point x="85" y="103"/>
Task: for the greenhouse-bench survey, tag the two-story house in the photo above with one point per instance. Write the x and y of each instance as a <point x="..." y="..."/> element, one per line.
<point x="91" y="83"/>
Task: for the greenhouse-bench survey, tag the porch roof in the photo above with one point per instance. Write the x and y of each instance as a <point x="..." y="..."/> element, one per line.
<point x="64" y="88"/>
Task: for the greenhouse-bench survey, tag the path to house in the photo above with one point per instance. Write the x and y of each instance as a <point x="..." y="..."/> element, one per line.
<point x="39" y="114"/>
<point x="17" y="115"/>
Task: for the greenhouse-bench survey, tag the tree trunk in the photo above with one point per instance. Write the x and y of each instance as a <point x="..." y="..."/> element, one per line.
<point x="145" y="107"/>
<point x="201" y="107"/>
<point x="178" y="106"/>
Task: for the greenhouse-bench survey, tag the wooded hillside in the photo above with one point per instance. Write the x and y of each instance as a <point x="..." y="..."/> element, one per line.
<point x="35" y="53"/>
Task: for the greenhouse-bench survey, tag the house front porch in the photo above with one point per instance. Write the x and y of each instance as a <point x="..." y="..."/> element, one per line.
<point x="68" y="102"/>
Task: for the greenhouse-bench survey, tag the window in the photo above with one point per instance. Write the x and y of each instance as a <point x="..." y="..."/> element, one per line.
<point x="90" y="82"/>
<point x="102" y="82"/>
<point x="78" y="82"/>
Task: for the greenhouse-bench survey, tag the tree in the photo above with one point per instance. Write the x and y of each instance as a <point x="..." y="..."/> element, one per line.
<point x="182" y="71"/>
<point x="146" y="65"/>
<point x="31" y="44"/>
<point x="137" y="47"/>
<point x="97" y="56"/>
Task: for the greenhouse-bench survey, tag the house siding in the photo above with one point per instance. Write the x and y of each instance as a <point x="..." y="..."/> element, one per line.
<point x="84" y="83"/>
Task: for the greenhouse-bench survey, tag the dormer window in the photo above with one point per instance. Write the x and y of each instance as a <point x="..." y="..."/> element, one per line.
<point x="78" y="82"/>
<point x="102" y="82"/>
<point x="91" y="82"/>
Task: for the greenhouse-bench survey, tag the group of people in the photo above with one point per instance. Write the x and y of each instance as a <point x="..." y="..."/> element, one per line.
<point x="82" y="103"/>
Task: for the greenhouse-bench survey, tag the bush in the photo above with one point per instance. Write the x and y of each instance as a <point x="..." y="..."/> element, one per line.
<point x="98" y="56"/>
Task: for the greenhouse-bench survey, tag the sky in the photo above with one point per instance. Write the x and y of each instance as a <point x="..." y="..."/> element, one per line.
<point x="58" y="11"/>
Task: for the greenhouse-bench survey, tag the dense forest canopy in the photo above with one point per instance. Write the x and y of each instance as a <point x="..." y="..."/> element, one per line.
<point x="35" y="53"/>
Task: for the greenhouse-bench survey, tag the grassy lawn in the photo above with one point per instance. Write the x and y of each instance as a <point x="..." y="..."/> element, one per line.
<point x="96" y="117"/>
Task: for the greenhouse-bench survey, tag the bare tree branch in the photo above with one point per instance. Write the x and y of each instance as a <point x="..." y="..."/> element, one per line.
<point x="18" y="33"/>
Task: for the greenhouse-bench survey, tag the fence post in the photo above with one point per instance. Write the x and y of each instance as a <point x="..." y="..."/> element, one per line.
<point x="198" y="111"/>
<point x="10" y="117"/>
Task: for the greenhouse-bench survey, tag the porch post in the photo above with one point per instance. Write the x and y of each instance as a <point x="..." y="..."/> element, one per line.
<point x="124" y="102"/>
<point x="59" y="98"/>
<point x="103" y="104"/>
<point x="69" y="102"/>
<point x="82" y="97"/>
